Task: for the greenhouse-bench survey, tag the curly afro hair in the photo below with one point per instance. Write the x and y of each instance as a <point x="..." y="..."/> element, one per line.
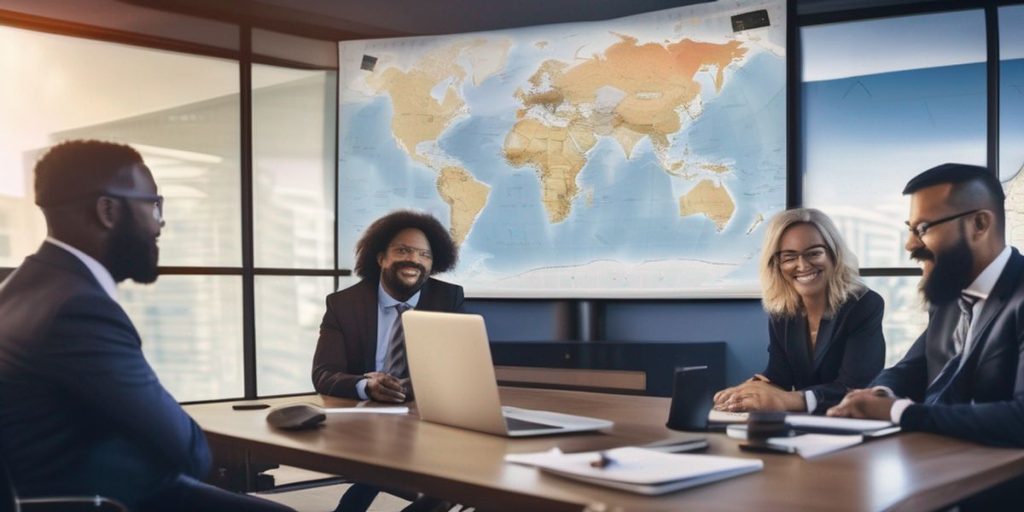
<point x="378" y="236"/>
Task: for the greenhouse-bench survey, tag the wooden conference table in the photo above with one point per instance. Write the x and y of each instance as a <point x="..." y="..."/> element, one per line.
<point x="900" y="472"/>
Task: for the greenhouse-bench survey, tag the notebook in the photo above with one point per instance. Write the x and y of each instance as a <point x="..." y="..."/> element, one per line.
<point x="831" y="425"/>
<point x="639" y="470"/>
<point x="805" y="423"/>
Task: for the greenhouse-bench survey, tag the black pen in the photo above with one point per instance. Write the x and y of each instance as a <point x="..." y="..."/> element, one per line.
<point x="602" y="462"/>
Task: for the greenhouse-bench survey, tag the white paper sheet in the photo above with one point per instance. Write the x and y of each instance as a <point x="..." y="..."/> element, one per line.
<point x="639" y="470"/>
<point x="813" y="445"/>
<point x="368" y="410"/>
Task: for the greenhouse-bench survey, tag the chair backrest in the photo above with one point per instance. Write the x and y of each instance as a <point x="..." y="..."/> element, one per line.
<point x="8" y="496"/>
<point x="627" y="367"/>
<point x="609" y="381"/>
<point x="10" y="502"/>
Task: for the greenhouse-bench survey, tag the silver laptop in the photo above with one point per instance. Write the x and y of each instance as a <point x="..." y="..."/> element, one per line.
<point x="453" y="375"/>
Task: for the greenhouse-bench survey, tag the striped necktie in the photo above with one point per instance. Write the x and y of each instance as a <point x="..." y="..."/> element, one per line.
<point x="966" y="303"/>
<point x="938" y="390"/>
<point x="396" y="364"/>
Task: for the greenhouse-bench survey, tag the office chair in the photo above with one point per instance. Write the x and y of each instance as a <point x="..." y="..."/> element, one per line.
<point x="10" y="502"/>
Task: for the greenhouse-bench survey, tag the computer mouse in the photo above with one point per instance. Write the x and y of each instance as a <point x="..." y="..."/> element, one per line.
<point x="296" y="416"/>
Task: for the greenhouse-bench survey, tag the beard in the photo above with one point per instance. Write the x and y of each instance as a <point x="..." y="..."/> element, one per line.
<point x="396" y="285"/>
<point x="132" y="255"/>
<point x="950" y="272"/>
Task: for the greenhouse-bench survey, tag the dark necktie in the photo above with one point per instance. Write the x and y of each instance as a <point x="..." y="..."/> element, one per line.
<point x="938" y="388"/>
<point x="966" y="303"/>
<point x="396" y="364"/>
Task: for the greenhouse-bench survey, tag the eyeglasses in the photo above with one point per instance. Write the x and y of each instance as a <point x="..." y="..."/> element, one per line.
<point x="156" y="199"/>
<point x="405" y="251"/>
<point x="813" y="254"/>
<point x="922" y="227"/>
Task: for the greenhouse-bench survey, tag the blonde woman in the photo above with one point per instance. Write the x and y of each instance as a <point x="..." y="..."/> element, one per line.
<point x="825" y="325"/>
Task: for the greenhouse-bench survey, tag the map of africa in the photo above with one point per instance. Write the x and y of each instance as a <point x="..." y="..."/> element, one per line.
<point x="632" y="157"/>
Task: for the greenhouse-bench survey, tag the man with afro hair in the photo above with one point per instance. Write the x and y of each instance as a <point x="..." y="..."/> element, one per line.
<point x="361" y="350"/>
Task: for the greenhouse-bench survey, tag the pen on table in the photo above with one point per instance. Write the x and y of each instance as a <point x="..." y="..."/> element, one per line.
<point x="603" y="462"/>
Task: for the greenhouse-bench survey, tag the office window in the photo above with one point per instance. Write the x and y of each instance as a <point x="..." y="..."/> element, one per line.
<point x="884" y="100"/>
<point x="180" y="111"/>
<point x="191" y="329"/>
<point x="293" y="118"/>
<point x="1011" y="117"/>
<point x="906" y="315"/>
<point x="5" y="237"/>
<point x="288" y="314"/>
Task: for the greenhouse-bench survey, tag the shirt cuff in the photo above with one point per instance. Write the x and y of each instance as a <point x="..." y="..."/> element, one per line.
<point x="886" y="389"/>
<point x="361" y="390"/>
<point x="812" y="401"/>
<point x="898" y="407"/>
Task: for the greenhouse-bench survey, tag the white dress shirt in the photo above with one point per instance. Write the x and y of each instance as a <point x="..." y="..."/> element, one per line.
<point x="386" y="316"/>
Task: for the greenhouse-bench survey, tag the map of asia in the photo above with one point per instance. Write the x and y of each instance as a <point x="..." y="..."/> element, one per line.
<point x="632" y="157"/>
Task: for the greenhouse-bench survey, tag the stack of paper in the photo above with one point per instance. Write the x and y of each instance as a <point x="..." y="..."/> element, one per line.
<point x="813" y="445"/>
<point x="716" y="416"/>
<point x="639" y="470"/>
<point x="830" y="425"/>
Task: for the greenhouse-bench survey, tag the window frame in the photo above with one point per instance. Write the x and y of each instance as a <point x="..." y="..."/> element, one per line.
<point x="246" y="58"/>
<point x="796" y="170"/>
<point x="247" y="270"/>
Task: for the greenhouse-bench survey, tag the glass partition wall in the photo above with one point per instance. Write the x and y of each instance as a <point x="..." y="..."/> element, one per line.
<point x="888" y="97"/>
<point x="185" y="114"/>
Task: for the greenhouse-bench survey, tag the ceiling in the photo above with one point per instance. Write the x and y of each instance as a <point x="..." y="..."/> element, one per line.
<point x="356" y="19"/>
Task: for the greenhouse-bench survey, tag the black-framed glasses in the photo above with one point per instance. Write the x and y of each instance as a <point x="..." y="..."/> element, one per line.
<point x="813" y="254"/>
<point x="922" y="227"/>
<point x="405" y="251"/>
<point x="156" y="199"/>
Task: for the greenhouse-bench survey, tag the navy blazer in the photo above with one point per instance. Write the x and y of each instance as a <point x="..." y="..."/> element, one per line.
<point x="984" y="399"/>
<point x="81" y="411"/>
<point x="848" y="353"/>
<point x="347" y="347"/>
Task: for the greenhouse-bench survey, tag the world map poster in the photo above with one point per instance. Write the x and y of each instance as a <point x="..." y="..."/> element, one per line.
<point x="635" y="157"/>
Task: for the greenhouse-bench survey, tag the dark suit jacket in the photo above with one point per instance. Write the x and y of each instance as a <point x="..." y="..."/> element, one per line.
<point x="849" y="352"/>
<point x="347" y="347"/>
<point x="81" y="411"/>
<point x="984" y="400"/>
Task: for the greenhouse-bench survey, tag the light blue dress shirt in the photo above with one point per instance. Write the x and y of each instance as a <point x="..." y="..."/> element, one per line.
<point x="386" y="315"/>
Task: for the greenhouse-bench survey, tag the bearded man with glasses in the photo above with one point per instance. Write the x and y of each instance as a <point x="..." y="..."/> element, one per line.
<point x="964" y="376"/>
<point x="81" y="411"/>
<point x="361" y="350"/>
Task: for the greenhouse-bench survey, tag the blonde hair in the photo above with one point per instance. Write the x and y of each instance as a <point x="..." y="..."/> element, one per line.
<point x="779" y="297"/>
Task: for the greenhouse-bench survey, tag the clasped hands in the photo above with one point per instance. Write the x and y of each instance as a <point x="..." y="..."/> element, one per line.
<point x="383" y="387"/>
<point x="758" y="394"/>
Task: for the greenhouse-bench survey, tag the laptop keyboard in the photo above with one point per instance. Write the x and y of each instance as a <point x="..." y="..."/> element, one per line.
<point x="515" y="425"/>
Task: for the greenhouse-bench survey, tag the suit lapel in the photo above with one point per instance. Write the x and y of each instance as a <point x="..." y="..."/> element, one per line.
<point x="825" y="337"/>
<point x="428" y="299"/>
<point x="366" y="317"/>
<point x="994" y="305"/>
<point x="796" y="344"/>
<point x="1005" y="285"/>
